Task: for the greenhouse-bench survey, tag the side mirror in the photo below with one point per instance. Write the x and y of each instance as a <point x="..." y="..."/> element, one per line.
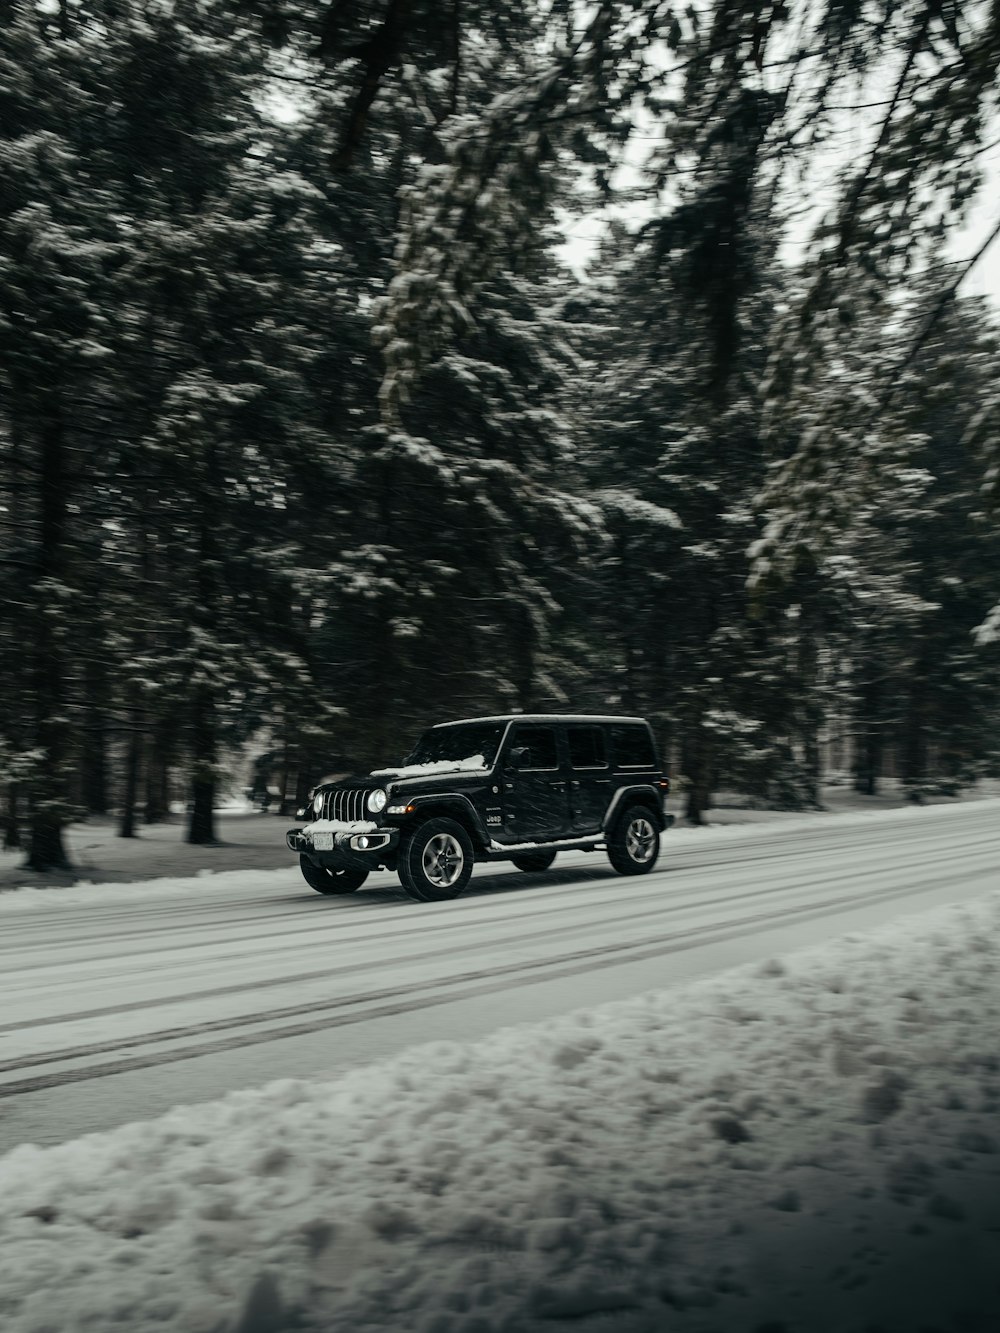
<point x="518" y="757"/>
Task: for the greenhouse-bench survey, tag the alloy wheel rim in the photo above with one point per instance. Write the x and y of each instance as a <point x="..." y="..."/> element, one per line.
<point x="443" y="860"/>
<point x="640" y="840"/>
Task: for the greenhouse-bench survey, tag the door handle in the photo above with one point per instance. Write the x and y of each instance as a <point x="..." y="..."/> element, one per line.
<point x="508" y="786"/>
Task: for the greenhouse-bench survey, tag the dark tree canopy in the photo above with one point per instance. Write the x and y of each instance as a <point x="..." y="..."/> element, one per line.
<point x="309" y="437"/>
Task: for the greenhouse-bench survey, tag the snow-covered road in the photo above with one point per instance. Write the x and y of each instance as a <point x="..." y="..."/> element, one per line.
<point x="120" y="1002"/>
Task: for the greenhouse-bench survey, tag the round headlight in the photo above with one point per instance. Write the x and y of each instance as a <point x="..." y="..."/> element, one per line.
<point x="318" y="803"/>
<point x="377" y="800"/>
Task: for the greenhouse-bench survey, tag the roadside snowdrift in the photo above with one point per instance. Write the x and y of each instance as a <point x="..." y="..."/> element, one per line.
<point x="809" y="1145"/>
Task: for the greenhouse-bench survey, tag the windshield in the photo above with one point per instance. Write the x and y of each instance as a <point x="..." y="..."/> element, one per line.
<point x="468" y="741"/>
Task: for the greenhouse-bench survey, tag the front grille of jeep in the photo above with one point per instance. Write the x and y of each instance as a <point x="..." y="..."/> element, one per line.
<point x="346" y="806"/>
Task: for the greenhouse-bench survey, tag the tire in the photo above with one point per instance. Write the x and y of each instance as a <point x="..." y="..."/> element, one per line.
<point x="327" y="882"/>
<point x="435" y="860"/>
<point x="533" y="860"/>
<point x="634" y="841"/>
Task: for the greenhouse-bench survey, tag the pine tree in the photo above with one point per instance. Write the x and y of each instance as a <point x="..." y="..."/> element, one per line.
<point x="155" y="394"/>
<point x="442" y="511"/>
<point x="58" y="248"/>
<point x="218" y="413"/>
<point x="681" y="440"/>
<point x="949" y="692"/>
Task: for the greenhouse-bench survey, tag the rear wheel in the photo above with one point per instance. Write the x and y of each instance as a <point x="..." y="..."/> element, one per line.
<point x="634" y="842"/>
<point x="533" y="860"/>
<point x="435" y="860"/>
<point x="331" y="881"/>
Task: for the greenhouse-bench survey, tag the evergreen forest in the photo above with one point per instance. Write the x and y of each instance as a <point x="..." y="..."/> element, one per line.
<point x="320" y="424"/>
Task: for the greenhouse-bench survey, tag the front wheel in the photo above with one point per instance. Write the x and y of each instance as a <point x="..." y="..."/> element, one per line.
<point x="326" y="881"/>
<point x="435" y="861"/>
<point x="634" y="843"/>
<point x="533" y="860"/>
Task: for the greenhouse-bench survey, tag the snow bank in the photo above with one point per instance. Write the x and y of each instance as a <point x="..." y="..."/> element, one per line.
<point x="227" y="883"/>
<point x="807" y="1145"/>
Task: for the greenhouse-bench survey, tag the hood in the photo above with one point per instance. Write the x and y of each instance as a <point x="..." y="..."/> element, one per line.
<point x="443" y="772"/>
<point x="437" y="768"/>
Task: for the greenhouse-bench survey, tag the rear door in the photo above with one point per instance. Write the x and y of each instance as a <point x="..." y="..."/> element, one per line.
<point x="589" y="775"/>
<point x="633" y="751"/>
<point x="634" y="761"/>
<point x="535" y="791"/>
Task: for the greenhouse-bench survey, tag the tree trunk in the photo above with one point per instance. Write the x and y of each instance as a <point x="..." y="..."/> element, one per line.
<point x="696" y="765"/>
<point x="868" y="762"/>
<point x="12" y="818"/>
<point x="204" y="737"/>
<point x="94" y="773"/>
<point x="132" y="763"/>
<point x="632" y="625"/>
<point x="46" y="850"/>
<point x="813" y="767"/>
<point x="869" y="740"/>
<point x="285" y="770"/>
<point x="158" y="761"/>
<point x="811" y="711"/>
<point x="914" y="757"/>
<point x="523" y="659"/>
<point x="47" y="796"/>
<point x="201" y="827"/>
<point x="93" y="758"/>
<point x="383" y="694"/>
<point x="304" y="776"/>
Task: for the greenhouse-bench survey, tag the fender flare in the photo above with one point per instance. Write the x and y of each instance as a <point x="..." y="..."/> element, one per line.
<point x="647" y="795"/>
<point x="458" y="804"/>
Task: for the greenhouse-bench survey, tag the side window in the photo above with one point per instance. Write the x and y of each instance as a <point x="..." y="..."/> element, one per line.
<point x="540" y="742"/>
<point x="586" y="747"/>
<point x="632" y="747"/>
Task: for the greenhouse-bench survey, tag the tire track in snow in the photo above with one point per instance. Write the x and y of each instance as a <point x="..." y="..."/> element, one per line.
<point x="823" y="838"/>
<point x="423" y="995"/>
<point x="307" y="919"/>
<point x="675" y="905"/>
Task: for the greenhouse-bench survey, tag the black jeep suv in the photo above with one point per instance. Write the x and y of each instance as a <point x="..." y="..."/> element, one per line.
<point x="518" y="788"/>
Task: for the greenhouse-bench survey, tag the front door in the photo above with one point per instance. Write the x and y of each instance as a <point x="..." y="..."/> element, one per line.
<point x="535" y="795"/>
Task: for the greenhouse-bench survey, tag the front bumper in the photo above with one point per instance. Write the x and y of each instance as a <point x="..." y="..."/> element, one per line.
<point x="339" y="849"/>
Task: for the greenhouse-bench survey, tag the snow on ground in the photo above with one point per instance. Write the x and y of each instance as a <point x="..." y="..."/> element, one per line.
<point x="34" y="891"/>
<point x="805" y="1146"/>
<point x="205" y="882"/>
<point x="255" y="842"/>
<point x="247" y="841"/>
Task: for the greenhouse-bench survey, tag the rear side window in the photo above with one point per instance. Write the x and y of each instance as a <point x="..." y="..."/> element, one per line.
<point x="540" y="743"/>
<point x="586" y="747"/>
<point x="632" y="747"/>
